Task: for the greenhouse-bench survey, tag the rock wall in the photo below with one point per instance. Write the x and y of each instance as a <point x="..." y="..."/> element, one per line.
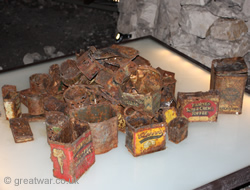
<point x="202" y="29"/>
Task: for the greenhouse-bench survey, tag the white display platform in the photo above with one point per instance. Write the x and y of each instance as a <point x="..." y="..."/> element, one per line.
<point x="211" y="151"/>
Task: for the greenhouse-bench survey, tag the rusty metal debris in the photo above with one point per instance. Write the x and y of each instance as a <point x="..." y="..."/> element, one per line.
<point x="229" y="76"/>
<point x="86" y="100"/>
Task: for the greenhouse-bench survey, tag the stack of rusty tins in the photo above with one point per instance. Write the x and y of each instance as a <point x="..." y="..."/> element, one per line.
<point x="86" y="101"/>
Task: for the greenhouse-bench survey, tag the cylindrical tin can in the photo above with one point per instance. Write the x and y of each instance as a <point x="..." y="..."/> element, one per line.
<point x="229" y="77"/>
<point x="35" y="104"/>
<point x="76" y="96"/>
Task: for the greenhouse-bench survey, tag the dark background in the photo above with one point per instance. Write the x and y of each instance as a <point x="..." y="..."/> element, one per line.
<point x="27" y="26"/>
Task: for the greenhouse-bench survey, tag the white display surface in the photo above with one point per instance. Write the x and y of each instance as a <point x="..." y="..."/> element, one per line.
<point x="211" y="150"/>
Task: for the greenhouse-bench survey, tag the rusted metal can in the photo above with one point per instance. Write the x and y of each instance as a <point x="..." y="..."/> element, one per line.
<point x="76" y="96"/>
<point x="168" y="88"/>
<point x="56" y="86"/>
<point x="144" y="136"/>
<point x="198" y="106"/>
<point x="51" y="103"/>
<point x="229" y="76"/>
<point x="88" y="65"/>
<point x="21" y="130"/>
<point x="102" y="119"/>
<point x="70" y="74"/>
<point x="24" y="94"/>
<point x="169" y="114"/>
<point x="11" y="102"/>
<point x="72" y="152"/>
<point x="55" y="122"/>
<point x="143" y="89"/>
<point x="35" y="104"/>
<point x="178" y="129"/>
<point x="40" y="83"/>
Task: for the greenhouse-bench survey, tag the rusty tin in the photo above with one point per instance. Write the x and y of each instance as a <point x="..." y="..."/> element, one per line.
<point x="76" y="96"/>
<point x="55" y="122"/>
<point x="35" y="103"/>
<point x="11" y="102"/>
<point x="143" y="89"/>
<point x="56" y="86"/>
<point x="102" y="119"/>
<point x="198" y="106"/>
<point x="72" y="151"/>
<point x="70" y="74"/>
<point x="21" y="130"/>
<point x="52" y="103"/>
<point x="229" y="76"/>
<point x="40" y="83"/>
<point x="144" y="136"/>
<point x="169" y="114"/>
<point x="178" y="129"/>
<point x="88" y="65"/>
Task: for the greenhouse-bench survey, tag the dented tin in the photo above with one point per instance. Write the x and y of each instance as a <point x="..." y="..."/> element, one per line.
<point x="56" y="85"/>
<point x="72" y="151"/>
<point x="102" y="119"/>
<point x="11" y="102"/>
<point x="40" y="83"/>
<point x="21" y="130"/>
<point x="178" y="129"/>
<point x="70" y="74"/>
<point x="229" y="77"/>
<point x="88" y="65"/>
<point x="76" y="96"/>
<point x="143" y="89"/>
<point x="143" y="136"/>
<point x="198" y="106"/>
<point x="52" y="103"/>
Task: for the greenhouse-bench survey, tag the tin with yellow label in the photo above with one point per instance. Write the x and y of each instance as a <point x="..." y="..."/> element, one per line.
<point x="144" y="136"/>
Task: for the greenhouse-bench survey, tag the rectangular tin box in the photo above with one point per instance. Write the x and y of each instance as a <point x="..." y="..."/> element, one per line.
<point x="21" y="130"/>
<point x="178" y="129"/>
<point x="198" y="106"/>
<point x="144" y="137"/>
<point x="72" y="155"/>
<point x="229" y="76"/>
<point x="11" y="102"/>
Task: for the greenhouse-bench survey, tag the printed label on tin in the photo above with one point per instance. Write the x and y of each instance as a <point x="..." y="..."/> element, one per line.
<point x="201" y="108"/>
<point x="170" y="115"/>
<point x="148" y="139"/>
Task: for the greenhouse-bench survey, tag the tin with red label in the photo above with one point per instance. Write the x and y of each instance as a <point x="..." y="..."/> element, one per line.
<point x="198" y="106"/>
<point x="72" y="151"/>
<point x="229" y="77"/>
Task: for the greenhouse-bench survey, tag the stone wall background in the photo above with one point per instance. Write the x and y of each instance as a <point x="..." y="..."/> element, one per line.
<point x="202" y="29"/>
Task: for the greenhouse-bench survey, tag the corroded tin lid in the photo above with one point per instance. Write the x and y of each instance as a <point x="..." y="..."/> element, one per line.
<point x="234" y="65"/>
